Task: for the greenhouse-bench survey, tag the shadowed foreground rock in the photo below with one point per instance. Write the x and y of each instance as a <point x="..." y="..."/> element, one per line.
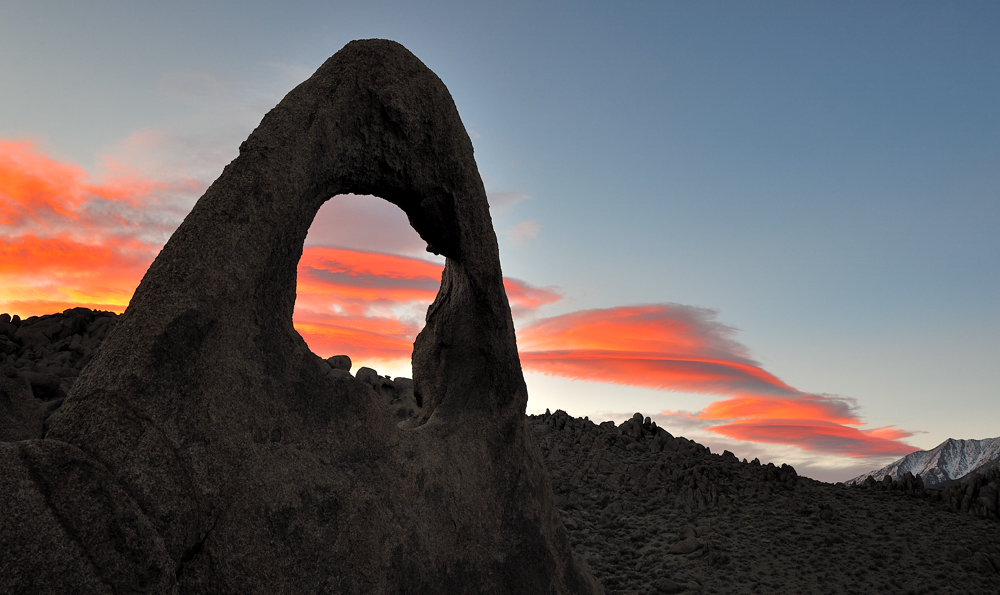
<point x="631" y="496"/>
<point x="205" y="449"/>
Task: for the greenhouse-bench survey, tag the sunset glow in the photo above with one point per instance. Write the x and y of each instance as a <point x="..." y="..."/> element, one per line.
<point x="69" y="241"/>
<point x="817" y="435"/>
<point x="804" y="407"/>
<point x="361" y="279"/>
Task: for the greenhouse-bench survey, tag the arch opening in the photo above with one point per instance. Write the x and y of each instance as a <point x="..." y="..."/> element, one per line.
<point x="364" y="283"/>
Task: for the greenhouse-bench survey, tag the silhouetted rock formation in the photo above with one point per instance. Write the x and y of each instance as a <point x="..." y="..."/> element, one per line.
<point x="206" y="449"/>
<point x="655" y="513"/>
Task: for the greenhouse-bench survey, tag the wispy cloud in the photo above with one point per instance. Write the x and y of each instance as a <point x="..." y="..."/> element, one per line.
<point x="523" y="231"/>
<point x="40" y="193"/>
<point x="501" y="201"/>
<point x="525" y="300"/>
<point x="365" y="279"/>
<point x="374" y="303"/>
<point x="658" y="346"/>
<point x="818" y="435"/>
<point x="363" y="338"/>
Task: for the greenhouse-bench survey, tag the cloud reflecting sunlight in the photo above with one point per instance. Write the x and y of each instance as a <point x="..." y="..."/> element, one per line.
<point x="674" y="347"/>
<point x="69" y="238"/>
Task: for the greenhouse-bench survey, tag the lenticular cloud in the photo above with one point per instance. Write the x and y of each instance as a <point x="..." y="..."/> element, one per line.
<point x="683" y="348"/>
<point x="659" y="346"/>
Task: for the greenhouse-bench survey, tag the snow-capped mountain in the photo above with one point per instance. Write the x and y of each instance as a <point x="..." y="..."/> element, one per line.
<point x="947" y="462"/>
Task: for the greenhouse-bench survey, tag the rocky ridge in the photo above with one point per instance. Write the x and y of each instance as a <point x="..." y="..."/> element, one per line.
<point x="656" y="513"/>
<point x="44" y="355"/>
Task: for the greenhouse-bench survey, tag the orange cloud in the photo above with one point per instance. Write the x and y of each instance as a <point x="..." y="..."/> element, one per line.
<point x="361" y="337"/>
<point x="67" y="241"/>
<point x="654" y="370"/>
<point x="364" y="304"/>
<point x="344" y="275"/>
<point x="40" y="192"/>
<point x="659" y="346"/>
<point x="682" y="348"/>
<point x="371" y="304"/>
<point x="40" y="275"/>
<point x="804" y="407"/>
<point x="524" y="298"/>
<point x="32" y="185"/>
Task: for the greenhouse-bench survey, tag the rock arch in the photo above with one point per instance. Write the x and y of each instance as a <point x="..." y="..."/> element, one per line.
<point x="205" y="448"/>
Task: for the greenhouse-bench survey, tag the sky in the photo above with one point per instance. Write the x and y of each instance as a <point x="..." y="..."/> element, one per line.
<point x="772" y="227"/>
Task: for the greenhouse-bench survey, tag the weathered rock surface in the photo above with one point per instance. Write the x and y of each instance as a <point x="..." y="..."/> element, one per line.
<point x="21" y="415"/>
<point x="205" y="449"/>
<point x="339" y="362"/>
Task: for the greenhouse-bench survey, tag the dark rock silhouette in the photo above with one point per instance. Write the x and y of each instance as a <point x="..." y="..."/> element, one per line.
<point x="339" y="362"/>
<point x="634" y="499"/>
<point x="205" y="449"/>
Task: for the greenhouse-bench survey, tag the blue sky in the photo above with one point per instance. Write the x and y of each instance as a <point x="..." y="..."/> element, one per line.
<point x="823" y="175"/>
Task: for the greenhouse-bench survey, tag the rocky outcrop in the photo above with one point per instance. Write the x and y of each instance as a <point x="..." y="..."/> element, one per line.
<point x="205" y="449"/>
<point x="397" y="393"/>
<point x="977" y="494"/>
<point x="41" y="357"/>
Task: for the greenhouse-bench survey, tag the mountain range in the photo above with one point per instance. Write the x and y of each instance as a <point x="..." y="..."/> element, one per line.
<point x="951" y="461"/>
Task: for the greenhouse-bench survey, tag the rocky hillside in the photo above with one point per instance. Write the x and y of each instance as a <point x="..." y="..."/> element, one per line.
<point x="648" y="511"/>
<point x="655" y="513"/>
